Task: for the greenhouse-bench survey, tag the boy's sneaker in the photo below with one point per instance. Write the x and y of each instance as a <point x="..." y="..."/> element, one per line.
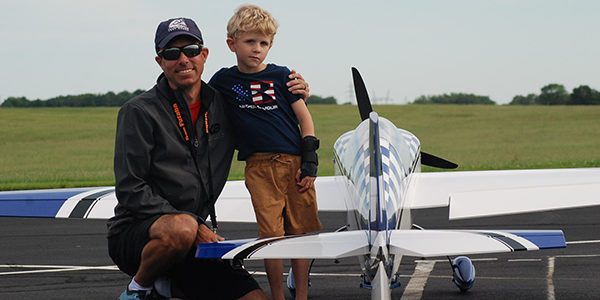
<point x="141" y="295"/>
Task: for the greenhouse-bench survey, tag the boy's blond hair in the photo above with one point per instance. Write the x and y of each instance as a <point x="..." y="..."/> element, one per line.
<point x="253" y="19"/>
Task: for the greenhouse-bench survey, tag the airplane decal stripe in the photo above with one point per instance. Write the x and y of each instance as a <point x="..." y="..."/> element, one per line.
<point x="516" y="246"/>
<point x="85" y="204"/>
<point x="248" y="252"/>
<point x="507" y="241"/>
<point x="81" y="208"/>
<point x="412" y="141"/>
<point x="393" y="180"/>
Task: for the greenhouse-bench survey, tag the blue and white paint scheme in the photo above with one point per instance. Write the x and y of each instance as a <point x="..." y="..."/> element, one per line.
<point x="378" y="182"/>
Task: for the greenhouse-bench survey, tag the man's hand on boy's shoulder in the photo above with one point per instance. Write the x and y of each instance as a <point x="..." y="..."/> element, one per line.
<point x="297" y="85"/>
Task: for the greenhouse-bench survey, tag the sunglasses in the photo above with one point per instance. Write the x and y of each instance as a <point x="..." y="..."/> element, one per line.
<point x="175" y="52"/>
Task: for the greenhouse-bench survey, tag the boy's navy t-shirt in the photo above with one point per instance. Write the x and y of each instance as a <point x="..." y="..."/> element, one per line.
<point x="261" y="107"/>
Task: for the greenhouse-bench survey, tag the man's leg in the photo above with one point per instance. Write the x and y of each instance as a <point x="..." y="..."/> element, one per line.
<point x="172" y="236"/>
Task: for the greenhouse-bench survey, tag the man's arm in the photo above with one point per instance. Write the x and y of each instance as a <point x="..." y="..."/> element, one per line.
<point x="132" y="163"/>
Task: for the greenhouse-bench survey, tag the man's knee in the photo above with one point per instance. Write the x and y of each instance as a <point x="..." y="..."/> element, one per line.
<point x="255" y="295"/>
<point x="175" y="230"/>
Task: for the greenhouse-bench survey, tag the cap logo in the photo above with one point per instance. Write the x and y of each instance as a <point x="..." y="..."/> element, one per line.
<point x="178" y="24"/>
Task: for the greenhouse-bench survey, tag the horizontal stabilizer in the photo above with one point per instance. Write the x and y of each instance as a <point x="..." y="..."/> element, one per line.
<point x="416" y="243"/>
<point x="324" y="246"/>
<point x="432" y="243"/>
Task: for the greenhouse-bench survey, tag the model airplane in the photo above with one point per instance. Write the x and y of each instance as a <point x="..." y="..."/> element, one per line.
<point x="378" y="182"/>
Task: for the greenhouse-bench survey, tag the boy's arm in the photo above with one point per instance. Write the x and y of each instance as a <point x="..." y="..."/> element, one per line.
<point x="304" y="118"/>
<point x="306" y="175"/>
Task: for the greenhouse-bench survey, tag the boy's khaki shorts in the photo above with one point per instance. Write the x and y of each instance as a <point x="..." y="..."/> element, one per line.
<point x="279" y="206"/>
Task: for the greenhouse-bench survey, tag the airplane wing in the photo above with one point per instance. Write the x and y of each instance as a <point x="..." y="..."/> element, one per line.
<point x="416" y="243"/>
<point x="93" y="203"/>
<point x="468" y="193"/>
<point x="234" y="204"/>
<point x="486" y="193"/>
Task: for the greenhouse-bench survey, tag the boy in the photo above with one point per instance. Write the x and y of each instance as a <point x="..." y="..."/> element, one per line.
<point x="281" y="161"/>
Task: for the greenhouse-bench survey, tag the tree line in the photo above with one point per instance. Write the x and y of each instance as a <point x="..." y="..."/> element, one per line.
<point x="83" y="100"/>
<point x="108" y="99"/>
<point x="320" y="100"/>
<point x="556" y="94"/>
<point x="551" y="94"/>
<point x="454" y="98"/>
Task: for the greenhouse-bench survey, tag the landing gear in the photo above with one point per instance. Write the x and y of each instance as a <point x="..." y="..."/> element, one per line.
<point x="463" y="272"/>
<point x="291" y="284"/>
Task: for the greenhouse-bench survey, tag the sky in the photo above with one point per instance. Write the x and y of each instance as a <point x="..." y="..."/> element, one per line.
<point x="403" y="49"/>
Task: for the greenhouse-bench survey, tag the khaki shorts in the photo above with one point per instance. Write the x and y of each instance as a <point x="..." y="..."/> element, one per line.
<point x="279" y="207"/>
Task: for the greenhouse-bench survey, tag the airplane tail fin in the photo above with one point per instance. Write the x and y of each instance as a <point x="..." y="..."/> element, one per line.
<point x="377" y="213"/>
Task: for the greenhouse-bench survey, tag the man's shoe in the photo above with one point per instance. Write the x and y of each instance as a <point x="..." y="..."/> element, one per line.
<point x="136" y="295"/>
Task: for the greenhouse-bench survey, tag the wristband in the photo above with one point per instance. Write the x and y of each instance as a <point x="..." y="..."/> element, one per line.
<point x="310" y="159"/>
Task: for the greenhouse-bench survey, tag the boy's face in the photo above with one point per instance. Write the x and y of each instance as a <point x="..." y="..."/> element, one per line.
<point x="251" y="50"/>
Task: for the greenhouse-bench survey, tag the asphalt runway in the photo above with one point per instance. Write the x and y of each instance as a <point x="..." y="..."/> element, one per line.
<point x="67" y="259"/>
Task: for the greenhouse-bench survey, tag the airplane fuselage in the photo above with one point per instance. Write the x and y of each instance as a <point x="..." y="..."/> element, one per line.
<point x="373" y="164"/>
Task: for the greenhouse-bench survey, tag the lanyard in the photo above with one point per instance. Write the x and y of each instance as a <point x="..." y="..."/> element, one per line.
<point x="211" y="196"/>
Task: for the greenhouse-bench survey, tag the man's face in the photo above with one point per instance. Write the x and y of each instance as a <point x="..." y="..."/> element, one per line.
<point x="183" y="72"/>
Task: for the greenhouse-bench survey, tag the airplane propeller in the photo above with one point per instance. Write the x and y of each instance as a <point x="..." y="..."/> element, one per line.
<point x="362" y="97"/>
<point x="364" y="107"/>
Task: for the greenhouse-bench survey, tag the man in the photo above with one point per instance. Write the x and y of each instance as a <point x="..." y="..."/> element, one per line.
<point x="169" y="169"/>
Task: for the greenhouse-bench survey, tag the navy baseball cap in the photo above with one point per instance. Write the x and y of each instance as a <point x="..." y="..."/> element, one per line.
<point x="171" y="28"/>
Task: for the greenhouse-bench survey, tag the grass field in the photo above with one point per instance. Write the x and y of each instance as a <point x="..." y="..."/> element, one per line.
<point x="72" y="147"/>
